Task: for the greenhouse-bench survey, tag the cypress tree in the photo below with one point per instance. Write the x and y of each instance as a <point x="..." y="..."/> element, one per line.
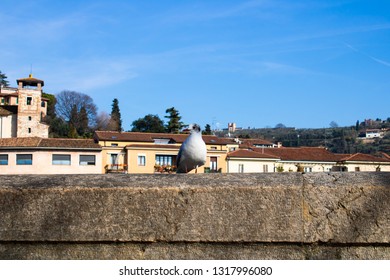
<point x="207" y="130"/>
<point x="116" y="121"/>
<point x="83" y="122"/>
<point x="3" y="80"/>
<point x="174" y="124"/>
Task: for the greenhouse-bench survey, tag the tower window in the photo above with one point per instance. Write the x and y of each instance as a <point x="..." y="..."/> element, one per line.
<point x="29" y="100"/>
<point x="29" y="118"/>
<point x="29" y="130"/>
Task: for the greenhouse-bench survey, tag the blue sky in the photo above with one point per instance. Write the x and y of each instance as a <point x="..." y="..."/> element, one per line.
<point x="255" y="63"/>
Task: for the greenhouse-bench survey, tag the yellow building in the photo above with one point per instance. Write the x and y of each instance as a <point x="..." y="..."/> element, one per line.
<point x="136" y="152"/>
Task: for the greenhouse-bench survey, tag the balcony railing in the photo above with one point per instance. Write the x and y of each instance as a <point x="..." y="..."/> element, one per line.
<point x="116" y="168"/>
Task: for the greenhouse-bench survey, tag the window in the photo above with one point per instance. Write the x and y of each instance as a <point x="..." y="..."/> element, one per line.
<point x="240" y="168"/>
<point x="29" y="100"/>
<point x="29" y="130"/>
<point x="43" y="104"/>
<point x="87" y="160"/>
<point x="29" y="118"/>
<point x="114" y="161"/>
<point x="114" y="144"/>
<point x="61" y="160"/>
<point x="164" y="160"/>
<point x="3" y="159"/>
<point x="162" y="141"/>
<point x="141" y="160"/>
<point x="308" y="169"/>
<point x="265" y="168"/>
<point x="213" y="163"/>
<point x="357" y="169"/>
<point x="24" y="159"/>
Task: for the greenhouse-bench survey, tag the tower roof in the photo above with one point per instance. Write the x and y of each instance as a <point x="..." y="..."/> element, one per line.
<point x="30" y="81"/>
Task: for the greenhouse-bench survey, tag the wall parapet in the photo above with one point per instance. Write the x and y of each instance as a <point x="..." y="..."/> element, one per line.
<point x="196" y="216"/>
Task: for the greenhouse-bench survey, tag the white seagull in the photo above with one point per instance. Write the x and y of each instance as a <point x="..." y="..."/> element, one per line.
<point x="192" y="153"/>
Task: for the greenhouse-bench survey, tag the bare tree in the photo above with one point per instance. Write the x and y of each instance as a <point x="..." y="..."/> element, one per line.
<point x="69" y="101"/>
<point x="103" y="121"/>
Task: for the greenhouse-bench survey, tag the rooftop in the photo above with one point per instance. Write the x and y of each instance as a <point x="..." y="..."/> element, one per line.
<point x="250" y="154"/>
<point x="150" y="137"/>
<point x="30" y="81"/>
<point x="37" y="142"/>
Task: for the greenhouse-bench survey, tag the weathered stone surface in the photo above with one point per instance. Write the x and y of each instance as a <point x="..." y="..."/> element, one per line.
<point x="136" y="208"/>
<point x="347" y="208"/>
<point x="148" y="251"/>
<point x="187" y="251"/>
<point x="196" y="216"/>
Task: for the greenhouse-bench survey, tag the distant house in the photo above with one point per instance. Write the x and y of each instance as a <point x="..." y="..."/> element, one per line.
<point x="257" y="143"/>
<point x="373" y="133"/>
<point x="249" y="161"/>
<point x="35" y="155"/>
<point x="362" y="162"/>
<point x="303" y="159"/>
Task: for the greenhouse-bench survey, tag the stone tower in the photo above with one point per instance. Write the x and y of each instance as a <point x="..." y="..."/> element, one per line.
<point x="31" y="108"/>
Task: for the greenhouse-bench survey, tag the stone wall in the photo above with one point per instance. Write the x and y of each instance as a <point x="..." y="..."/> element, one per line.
<point x="196" y="216"/>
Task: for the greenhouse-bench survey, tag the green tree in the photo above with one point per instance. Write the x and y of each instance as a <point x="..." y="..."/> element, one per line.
<point x="3" y="80"/>
<point x="82" y="125"/>
<point x="174" y="124"/>
<point x="149" y="123"/>
<point x="59" y="128"/>
<point x="51" y="106"/>
<point x="73" y="122"/>
<point x="207" y="130"/>
<point x="116" y="121"/>
<point x="72" y="132"/>
<point x="357" y="125"/>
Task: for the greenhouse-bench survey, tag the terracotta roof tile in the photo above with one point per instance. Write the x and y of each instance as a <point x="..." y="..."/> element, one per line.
<point x="364" y="157"/>
<point x="300" y="154"/>
<point x="149" y="137"/>
<point x="4" y="112"/>
<point x="8" y="110"/>
<point x="386" y="155"/>
<point x="157" y="146"/>
<point x="250" y="154"/>
<point x="36" y="142"/>
<point x="30" y="81"/>
<point x="255" y="142"/>
<point x="20" y="142"/>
